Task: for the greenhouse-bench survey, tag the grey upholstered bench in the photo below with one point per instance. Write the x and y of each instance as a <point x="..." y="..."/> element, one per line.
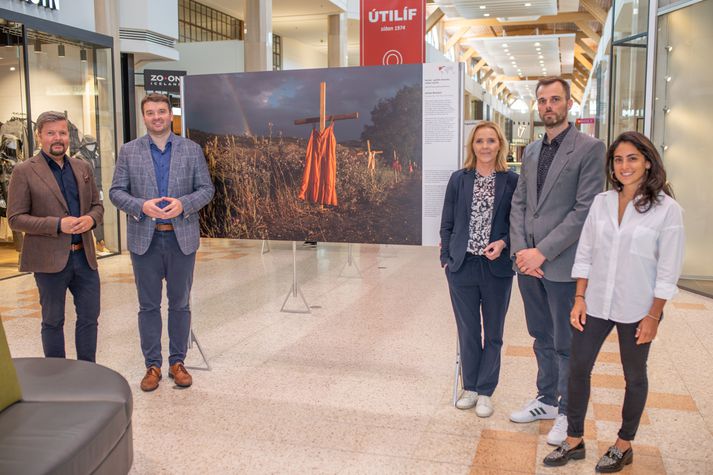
<point x="73" y="418"/>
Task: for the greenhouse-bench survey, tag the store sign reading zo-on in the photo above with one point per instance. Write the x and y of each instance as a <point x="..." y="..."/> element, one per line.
<point x="51" y="4"/>
<point x="359" y="155"/>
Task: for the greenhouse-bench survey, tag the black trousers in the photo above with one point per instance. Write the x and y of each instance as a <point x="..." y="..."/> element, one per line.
<point x="585" y="348"/>
<point x="83" y="282"/>
<point x="474" y="289"/>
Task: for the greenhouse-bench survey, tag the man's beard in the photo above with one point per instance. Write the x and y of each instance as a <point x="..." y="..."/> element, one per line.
<point x="60" y="153"/>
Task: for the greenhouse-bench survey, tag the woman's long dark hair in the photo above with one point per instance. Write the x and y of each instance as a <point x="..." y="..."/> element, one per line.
<point x="655" y="179"/>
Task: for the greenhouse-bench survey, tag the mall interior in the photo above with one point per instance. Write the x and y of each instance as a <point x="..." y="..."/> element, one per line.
<point x="340" y="357"/>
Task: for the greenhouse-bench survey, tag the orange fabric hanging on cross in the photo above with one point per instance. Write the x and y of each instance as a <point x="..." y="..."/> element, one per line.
<point x="319" y="180"/>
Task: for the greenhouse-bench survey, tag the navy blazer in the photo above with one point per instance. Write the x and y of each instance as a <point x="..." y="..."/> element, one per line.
<point x="455" y="220"/>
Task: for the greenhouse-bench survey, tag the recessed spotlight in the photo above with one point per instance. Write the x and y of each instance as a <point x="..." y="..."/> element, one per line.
<point x="537" y="44"/>
<point x="482" y="7"/>
<point x="505" y="45"/>
<point x="12" y="68"/>
<point x="540" y="56"/>
<point x="512" y="57"/>
<point x="528" y="4"/>
<point x="486" y="14"/>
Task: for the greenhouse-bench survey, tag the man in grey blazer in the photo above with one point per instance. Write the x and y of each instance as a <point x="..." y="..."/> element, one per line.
<point x="561" y="174"/>
<point x="161" y="181"/>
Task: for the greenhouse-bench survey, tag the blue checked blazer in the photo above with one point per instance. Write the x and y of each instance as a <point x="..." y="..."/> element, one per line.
<point x="135" y="182"/>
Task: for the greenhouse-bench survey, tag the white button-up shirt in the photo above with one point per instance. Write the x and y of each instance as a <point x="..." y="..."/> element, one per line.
<point x="629" y="264"/>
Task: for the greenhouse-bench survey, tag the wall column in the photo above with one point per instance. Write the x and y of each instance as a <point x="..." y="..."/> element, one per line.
<point x="258" y="39"/>
<point x="337" y="41"/>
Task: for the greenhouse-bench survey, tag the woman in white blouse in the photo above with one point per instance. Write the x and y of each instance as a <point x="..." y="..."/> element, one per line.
<point x="627" y="265"/>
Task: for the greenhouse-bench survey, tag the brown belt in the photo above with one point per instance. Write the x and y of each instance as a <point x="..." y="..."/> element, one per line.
<point x="76" y="247"/>
<point x="164" y="227"/>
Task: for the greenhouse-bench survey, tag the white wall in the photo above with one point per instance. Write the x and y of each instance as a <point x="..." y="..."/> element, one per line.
<point x="76" y="13"/>
<point x="297" y="55"/>
<point x="160" y="16"/>
<point x="210" y="57"/>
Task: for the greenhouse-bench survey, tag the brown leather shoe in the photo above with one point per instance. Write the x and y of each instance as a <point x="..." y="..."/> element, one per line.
<point x="151" y="379"/>
<point x="179" y="375"/>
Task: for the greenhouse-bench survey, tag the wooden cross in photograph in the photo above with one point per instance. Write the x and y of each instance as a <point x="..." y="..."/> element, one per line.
<point x="371" y="156"/>
<point x="323" y="117"/>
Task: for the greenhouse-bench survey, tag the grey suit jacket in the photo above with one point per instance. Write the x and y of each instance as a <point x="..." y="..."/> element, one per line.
<point x="135" y="182"/>
<point x="554" y="224"/>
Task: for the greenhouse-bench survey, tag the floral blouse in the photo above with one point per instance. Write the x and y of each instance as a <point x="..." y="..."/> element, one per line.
<point x="481" y="215"/>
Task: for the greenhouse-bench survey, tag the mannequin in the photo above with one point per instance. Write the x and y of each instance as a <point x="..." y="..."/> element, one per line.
<point x="10" y="150"/>
<point x="89" y="152"/>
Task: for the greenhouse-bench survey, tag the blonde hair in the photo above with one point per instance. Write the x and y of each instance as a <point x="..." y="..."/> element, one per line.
<point x="471" y="160"/>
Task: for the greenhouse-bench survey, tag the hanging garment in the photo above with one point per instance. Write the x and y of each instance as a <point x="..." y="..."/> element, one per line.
<point x="319" y="180"/>
<point x="18" y="128"/>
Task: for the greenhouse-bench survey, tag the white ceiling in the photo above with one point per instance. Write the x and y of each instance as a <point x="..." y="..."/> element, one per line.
<point x="542" y="55"/>
<point x="511" y="9"/>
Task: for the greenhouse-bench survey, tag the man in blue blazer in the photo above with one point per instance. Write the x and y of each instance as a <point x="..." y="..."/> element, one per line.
<point x="161" y="181"/>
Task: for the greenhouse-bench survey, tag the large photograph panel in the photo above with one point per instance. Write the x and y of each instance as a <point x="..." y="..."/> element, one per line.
<point x="279" y="176"/>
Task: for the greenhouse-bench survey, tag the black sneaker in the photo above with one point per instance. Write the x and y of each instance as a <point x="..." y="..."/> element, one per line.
<point x="562" y="454"/>
<point x="614" y="461"/>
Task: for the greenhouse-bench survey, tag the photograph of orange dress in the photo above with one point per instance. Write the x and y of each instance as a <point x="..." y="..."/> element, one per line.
<point x="319" y="180"/>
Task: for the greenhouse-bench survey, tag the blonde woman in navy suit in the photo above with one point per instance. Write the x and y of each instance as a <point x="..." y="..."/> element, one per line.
<point x="475" y="227"/>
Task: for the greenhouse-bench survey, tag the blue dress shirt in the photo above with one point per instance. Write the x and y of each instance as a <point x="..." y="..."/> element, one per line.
<point x="162" y="167"/>
<point x="68" y="185"/>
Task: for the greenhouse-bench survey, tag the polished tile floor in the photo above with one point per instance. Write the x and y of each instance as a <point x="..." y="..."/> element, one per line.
<point x="363" y="384"/>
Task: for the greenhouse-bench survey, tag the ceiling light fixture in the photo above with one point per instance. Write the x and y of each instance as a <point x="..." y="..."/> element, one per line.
<point x="482" y="7"/>
<point x="505" y="45"/>
<point x="486" y="14"/>
<point x="528" y="4"/>
<point x="537" y="44"/>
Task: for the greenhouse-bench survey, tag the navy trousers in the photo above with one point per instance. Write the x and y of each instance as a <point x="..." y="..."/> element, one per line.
<point x="547" y="308"/>
<point x="164" y="260"/>
<point x="475" y="291"/>
<point x="83" y="282"/>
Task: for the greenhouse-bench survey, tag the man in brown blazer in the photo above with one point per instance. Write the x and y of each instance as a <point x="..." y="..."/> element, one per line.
<point x="54" y="200"/>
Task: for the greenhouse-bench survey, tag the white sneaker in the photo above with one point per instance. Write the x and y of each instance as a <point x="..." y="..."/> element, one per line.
<point x="484" y="406"/>
<point x="467" y="400"/>
<point x="558" y="433"/>
<point x="534" y="410"/>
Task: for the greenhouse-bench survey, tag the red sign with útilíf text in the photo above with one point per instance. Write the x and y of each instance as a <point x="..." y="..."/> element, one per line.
<point x="392" y="32"/>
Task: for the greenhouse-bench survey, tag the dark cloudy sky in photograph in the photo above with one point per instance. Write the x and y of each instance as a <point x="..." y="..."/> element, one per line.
<point x="242" y="103"/>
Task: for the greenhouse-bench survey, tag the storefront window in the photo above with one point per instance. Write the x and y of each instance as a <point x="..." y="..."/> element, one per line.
<point x="629" y="66"/>
<point x="14" y="143"/>
<point x="75" y="78"/>
<point x="683" y="102"/>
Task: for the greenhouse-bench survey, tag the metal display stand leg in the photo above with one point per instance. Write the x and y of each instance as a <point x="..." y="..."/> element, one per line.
<point x="350" y="265"/>
<point x="386" y="251"/>
<point x="458" y="375"/>
<point x="265" y="246"/>
<point x="192" y="339"/>
<point x="295" y="289"/>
